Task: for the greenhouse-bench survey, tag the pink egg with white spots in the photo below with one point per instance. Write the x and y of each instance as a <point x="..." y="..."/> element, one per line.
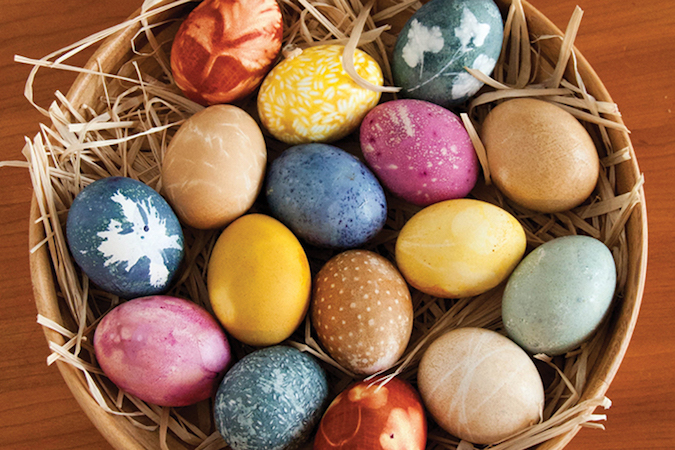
<point x="420" y="151"/>
<point x="164" y="350"/>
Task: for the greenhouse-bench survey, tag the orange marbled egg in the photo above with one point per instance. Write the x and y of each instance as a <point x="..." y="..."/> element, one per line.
<point x="368" y="415"/>
<point x="362" y="311"/>
<point x="224" y="49"/>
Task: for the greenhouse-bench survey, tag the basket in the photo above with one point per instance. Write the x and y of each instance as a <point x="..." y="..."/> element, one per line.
<point x="123" y="434"/>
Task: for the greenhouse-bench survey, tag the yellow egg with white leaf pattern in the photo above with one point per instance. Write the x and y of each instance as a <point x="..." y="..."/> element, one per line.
<point x="311" y="98"/>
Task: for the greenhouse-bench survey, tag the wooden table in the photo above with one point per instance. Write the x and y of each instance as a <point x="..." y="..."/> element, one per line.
<point x="631" y="45"/>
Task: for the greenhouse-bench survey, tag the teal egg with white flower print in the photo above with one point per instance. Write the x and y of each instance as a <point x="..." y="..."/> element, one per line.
<point x="439" y="41"/>
<point x="125" y="237"/>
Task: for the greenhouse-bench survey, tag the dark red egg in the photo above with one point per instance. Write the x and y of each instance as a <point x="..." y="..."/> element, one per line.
<point x="371" y="416"/>
<point x="224" y="49"/>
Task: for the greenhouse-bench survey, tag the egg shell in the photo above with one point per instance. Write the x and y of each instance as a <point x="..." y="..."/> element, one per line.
<point x="224" y="49"/>
<point x="540" y="156"/>
<point x="376" y="416"/>
<point x="259" y="280"/>
<point x="326" y="196"/>
<point x="214" y="167"/>
<point x="362" y="311"/>
<point x="459" y="248"/>
<point x="125" y="237"/>
<point x="479" y="385"/>
<point x="310" y="97"/>
<point x="559" y="294"/>
<point x="420" y="151"/>
<point x="439" y="41"/>
<point x="271" y="400"/>
<point x="164" y="350"/>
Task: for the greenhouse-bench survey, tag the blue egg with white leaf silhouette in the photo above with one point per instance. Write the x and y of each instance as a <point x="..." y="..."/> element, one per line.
<point x="439" y="41"/>
<point x="125" y="237"/>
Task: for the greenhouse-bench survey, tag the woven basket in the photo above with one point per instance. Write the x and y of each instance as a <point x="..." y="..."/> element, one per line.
<point x="122" y="434"/>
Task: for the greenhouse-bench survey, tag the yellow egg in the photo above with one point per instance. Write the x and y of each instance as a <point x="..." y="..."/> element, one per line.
<point x="310" y="97"/>
<point x="459" y="248"/>
<point x="259" y="280"/>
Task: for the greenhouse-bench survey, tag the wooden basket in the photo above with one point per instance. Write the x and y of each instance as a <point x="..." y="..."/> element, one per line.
<point x="124" y="435"/>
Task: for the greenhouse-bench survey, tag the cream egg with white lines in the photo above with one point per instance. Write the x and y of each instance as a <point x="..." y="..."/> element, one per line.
<point x="362" y="311"/>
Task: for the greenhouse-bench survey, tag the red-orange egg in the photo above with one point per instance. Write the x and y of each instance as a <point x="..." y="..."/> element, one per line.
<point x="369" y="416"/>
<point x="224" y="49"/>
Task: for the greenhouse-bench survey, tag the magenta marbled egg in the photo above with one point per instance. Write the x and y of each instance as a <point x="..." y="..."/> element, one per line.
<point x="420" y="151"/>
<point x="164" y="350"/>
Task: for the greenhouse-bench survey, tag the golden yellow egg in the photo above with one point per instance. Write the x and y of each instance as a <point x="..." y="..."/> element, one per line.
<point x="259" y="280"/>
<point x="459" y="248"/>
<point x="310" y="97"/>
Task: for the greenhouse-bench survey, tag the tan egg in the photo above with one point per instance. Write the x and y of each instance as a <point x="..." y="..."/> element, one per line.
<point x="540" y="156"/>
<point x="362" y="311"/>
<point x="214" y="167"/>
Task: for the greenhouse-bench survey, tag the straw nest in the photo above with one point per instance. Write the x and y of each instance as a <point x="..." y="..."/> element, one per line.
<point x="132" y="110"/>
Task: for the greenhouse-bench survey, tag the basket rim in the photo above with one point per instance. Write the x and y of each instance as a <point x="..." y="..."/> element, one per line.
<point x="113" y="428"/>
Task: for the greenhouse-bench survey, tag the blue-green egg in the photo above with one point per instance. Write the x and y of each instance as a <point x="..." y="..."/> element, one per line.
<point x="438" y="41"/>
<point x="559" y="294"/>
<point x="271" y="400"/>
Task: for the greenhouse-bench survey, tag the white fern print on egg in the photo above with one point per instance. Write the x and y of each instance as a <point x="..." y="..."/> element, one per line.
<point x="470" y="29"/>
<point x="466" y="84"/>
<point x="421" y="40"/>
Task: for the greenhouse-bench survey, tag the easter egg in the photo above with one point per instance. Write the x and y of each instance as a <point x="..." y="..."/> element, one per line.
<point x="224" y="49"/>
<point x="374" y="415"/>
<point x="125" y="237"/>
<point x="362" y="311"/>
<point x="326" y="196"/>
<point x="479" y="385"/>
<point x="540" y="156"/>
<point x="459" y="248"/>
<point x="164" y="350"/>
<point x="214" y="167"/>
<point x="310" y="97"/>
<point x="559" y="294"/>
<point x="439" y="41"/>
<point x="270" y="400"/>
<point x="420" y="151"/>
<point x="259" y="280"/>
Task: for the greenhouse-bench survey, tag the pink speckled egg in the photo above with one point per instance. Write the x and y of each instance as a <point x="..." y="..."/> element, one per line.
<point x="420" y="151"/>
<point x="164" y="350"/>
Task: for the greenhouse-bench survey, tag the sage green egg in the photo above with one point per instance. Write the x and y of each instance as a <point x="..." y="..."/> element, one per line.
<point x="559" y="294"/>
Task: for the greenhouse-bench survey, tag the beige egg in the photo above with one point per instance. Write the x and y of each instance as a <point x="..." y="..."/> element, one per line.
<point x="479" y="385"/>
<point x="214" y="167"/>
<point x="540" y="156"/>
<point x="362" y="311"/>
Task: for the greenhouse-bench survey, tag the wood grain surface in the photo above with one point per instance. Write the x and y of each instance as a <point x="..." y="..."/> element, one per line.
<point x="631" y="45"/>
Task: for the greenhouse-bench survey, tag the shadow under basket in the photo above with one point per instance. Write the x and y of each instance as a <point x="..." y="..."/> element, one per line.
<point x="123" y="434"/>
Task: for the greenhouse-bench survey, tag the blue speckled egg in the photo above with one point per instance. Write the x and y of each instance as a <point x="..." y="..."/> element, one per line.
<point x="326" y="196"/>
<point x="271" y="400"/>
<point x="438" y="41"/>
<point x="125" y="237"/>
<point x="558" y="294"/>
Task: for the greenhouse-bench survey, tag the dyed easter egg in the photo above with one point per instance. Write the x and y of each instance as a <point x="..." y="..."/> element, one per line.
<point x="125" y="237"/>
<point x="270" y="400"/>
<point x="310" y="97"/>
<point x="479" y="385"/>
<point x="259" y="280"/>
<point x="164" y="350"/>
<point x="224" y="49"/>
<point x="558" y="295"/>
<point x="376" y="416"/>
<point x="439" y="41"/>
<point x="459" y="248"/>
<point x="214" y="167"/>
<point x="419" y="150"/>
<point x="540" y="156"/>
<point x="326" y="196"/>
<point x="362" y="311"/>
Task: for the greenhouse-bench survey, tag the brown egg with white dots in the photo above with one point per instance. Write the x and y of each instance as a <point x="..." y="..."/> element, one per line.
<point x="362" y="311"/>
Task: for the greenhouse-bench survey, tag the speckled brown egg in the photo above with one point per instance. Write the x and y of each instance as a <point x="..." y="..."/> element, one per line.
<point x="362" y="311"/>
<point x="540" y="156"/>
